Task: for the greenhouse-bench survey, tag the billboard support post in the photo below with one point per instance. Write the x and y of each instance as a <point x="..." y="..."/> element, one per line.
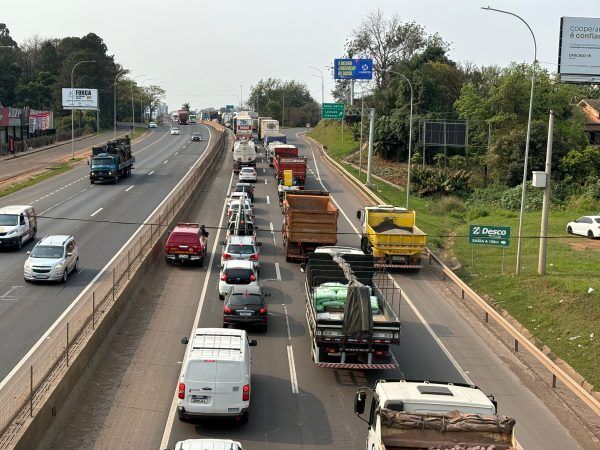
<point x="546" y="201"/>
<point x="371" y="137"/>
<point x="73" y="107"/>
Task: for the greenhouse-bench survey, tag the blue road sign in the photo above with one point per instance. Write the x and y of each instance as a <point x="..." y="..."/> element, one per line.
<point x="352" y="69"/>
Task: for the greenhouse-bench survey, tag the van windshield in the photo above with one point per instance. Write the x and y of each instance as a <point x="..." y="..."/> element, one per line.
<point x="8" y="220"/>
<point x="47" y="251"/>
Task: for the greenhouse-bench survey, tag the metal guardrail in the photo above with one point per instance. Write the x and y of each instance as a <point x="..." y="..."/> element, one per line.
<point x="31" y="382"/>
<point x="519" y="339"/>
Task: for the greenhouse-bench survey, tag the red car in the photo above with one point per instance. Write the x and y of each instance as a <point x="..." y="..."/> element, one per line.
<point x="186" y="243"/>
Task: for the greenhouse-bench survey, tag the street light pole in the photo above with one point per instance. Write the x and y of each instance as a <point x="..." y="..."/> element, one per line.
<point x="322" y="83"/>
<point x="115" y="105"/>
<point x="73" y="108"/>
<point x="521" y="213"/>
<point x="132" y="106"/>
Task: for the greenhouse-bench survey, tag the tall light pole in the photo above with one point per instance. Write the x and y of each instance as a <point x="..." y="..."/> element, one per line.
<point x="73" y="106"/>
<point x="322" y="83"/>
<point x="521" y="213"/>
<point x="142" y="98"/>
<point x="132" y="107"/>
<point x="115" y="105"/>
<point x="241" y="97"/>
<point x="409" y="135"/>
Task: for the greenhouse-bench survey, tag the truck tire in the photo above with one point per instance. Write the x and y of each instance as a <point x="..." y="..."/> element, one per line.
<point x="92" y="181"/>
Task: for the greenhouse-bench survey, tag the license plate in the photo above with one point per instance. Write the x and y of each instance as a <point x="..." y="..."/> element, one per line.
<point x="199" y="399"/>
<point x="40" y="275"/>
<point x="245" y="313"/>
<point x="184" y="256"/>
<point x="231" y="410"/>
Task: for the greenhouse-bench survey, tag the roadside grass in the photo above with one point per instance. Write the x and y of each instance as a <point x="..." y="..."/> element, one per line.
<point x="556" y="308"/>
<point x="61" y="168"/>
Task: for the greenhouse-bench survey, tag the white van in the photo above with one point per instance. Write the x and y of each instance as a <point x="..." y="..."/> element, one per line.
<point x="18" y="224"/>
<point x="215" y="380"/>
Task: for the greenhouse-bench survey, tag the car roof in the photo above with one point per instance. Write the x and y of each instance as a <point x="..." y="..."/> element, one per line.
<point x="207" y="444"/>
<point x="238" y="264"/>
<point x="195" y="133"/>
<point x="245" y="288"/>
<point x="14" y="209"/>
<point x="248" y="168"/>
<point x="56" y="239"/>
<point x="186" y="228"/>
<point x="217" y="343"/>
<point x="591" y="217"/>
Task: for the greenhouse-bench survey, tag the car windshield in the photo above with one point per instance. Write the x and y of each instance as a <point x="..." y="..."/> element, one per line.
<point x="247" y="170"/>
<point x="240" y="249"/>
<point x="97" y="162"/>
<point x="597" y="220"/>
<point x="8" y="220"/>
<point x="184" y="238"/>
<point x="244" y="299"/>
<point x="175" y="129"/>
<point x="196" y="134"/>
<point x="47" y="251"/>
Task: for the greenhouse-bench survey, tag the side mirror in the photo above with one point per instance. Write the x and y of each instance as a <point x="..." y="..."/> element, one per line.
<point x="303" y="267"/>
<point x="359" y="402"/>
<point x="28" y="252"/>
<point x="69" y="254"/>
<point x="253" y="343"/>
<point x="184" y="340"/>
<point x="359" y="214"/>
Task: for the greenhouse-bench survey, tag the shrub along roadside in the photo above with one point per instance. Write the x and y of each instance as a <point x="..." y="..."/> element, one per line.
<point x="557" y="308"/>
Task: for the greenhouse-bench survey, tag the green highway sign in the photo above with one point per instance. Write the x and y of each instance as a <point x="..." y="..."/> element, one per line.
<point x="489" y="235"/>
<point x="333" y="111"/>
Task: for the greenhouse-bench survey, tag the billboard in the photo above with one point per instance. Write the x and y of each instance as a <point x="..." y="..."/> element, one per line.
<point x="446" y="133"/>
<point x="80" y="98"/>
<point x="579" y="50"/>
<point x="10" y="117"/>
<point x="40" y="121"/>
<point x="352" y="69"/>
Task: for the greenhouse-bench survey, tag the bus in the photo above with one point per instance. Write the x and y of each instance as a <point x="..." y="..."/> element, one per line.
<point x="192" y="118"/>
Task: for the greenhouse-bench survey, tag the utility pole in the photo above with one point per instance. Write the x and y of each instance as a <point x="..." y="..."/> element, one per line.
<point x="546" y="203"/>
<point x="371" y="136"/>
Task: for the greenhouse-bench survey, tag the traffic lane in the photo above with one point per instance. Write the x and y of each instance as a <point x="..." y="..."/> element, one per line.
<point x="145" y="356"/>
<point x="280" y="418"/>
<point x="100" y="233"/>
<point x="467" y="356"/>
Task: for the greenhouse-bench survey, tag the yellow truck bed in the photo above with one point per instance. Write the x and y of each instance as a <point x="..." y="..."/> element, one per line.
<point x="393" y="232"/>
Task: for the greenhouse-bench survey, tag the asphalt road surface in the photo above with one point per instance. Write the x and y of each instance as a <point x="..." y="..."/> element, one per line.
<point x="101" y="217"/>
<point x="294" y="403"/>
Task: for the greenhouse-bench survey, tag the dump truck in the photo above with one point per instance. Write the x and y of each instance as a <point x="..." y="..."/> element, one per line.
<point x="280" y="149"/>
<point x="183" y="116"/>
<point x="297" y="164"/>
<point x="389" y="233"/>
<point x="350" y="310"/>
<point x="407" y="414"/>
<point x="310" y="220"/>
<point x="111" y="161"/>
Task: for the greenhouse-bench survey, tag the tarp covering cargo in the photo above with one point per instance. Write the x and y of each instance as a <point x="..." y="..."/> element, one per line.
<point x="452" y="430"/>
<point x="358" y="317"/>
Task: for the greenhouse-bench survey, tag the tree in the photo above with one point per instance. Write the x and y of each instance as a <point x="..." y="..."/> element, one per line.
<point x="154" y="95"/>
<point x="269" y="96"/>
<point x="9" y="70"/>
<point x="186" y="106"/>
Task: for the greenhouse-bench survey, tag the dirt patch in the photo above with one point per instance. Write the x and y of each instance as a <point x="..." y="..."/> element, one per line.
<point x="392" y="171"/>
<point x="583" y="244"/>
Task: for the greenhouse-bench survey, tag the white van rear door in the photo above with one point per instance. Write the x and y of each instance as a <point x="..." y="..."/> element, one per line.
<point x="230" y="382"/>
<point x="200" y="386"/>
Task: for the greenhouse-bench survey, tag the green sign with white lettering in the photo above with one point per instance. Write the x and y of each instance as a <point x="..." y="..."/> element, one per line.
<point x="332" y="111"/>
<point x="489" y="235"/>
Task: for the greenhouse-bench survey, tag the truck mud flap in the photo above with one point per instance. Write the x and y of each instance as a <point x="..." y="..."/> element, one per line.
<point x="357" y="366"/>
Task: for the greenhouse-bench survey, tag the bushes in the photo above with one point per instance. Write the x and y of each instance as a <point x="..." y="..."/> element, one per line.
<point x="430" y="181"/>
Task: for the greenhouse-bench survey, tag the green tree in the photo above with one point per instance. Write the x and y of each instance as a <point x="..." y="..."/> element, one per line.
<point x="9" y="70"/>
<point x="269" y="96"/>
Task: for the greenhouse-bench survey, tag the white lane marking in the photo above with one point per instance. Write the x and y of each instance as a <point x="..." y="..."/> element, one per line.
<point x="287" y="323"/>
<point x="61" y="202"/>
<point x="94" y="213"/>
<point x="272" y="233"/>
<point x="293" y="379"/>
<point x="149" y="145"/>
<point x="151" y="172"/>
<point x="10" y="291"/>
<point x="183" y="146"/>
<point x="408" y="301"/>
<point x="166" y="161"/>
<point x="169" y="425"/>
<point x="268" y="200"/>
<point x="266" y="181"/>
<point x="176" y="153"/>
<point x="129" y="188"/>
<point x="278" y="271"/>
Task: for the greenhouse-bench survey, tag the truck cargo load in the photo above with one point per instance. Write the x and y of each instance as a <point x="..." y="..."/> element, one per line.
<point x="267" y="127"/>
<point x="297" y="164"/>
<point x="350" y="310"/>
<point x="244" y="154"/>
<point x="310" y="220"/>
<point x="423" y="415"/>
<point x="276" y="137"/>
<point x="242" y="126"/>
<point x="390" y="234"/>
<point x="111" y="161"/>
<point x="183" y="116"/>
<point x="280" y="149"/>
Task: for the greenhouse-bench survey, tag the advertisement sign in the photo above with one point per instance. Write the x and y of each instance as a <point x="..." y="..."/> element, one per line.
<point x="352" y="69"/>
<point x="10" y="117"/>
<point x="40" y="121"/>
<point x="579" y="50"/>
<point x="332" y="111"/>
<point x="489" y="235"/>
<point x="80" y="98"/>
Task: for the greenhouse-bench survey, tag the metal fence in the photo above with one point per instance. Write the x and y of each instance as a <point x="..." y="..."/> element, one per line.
<point x="40" y="141"/>
<point x="28" y="386"/>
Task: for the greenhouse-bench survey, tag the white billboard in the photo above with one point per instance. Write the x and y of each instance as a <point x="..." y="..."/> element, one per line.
<point x="579" y="50"/>
<point x="80" y="98"/>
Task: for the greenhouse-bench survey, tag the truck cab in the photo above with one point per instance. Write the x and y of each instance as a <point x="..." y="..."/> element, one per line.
<point x="420" y="414"/>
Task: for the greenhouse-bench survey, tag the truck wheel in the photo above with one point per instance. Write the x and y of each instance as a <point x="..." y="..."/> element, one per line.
<point x="19" y="243"/>
<point x="92" y="181"/>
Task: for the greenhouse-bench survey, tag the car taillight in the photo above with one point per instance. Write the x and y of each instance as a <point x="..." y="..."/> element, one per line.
<point x="252" y="277"/>
<point x="223" y="277"/>
<point x="226" y="256"/>
<point x="246" y="393"/>
<point x="254" y="257"/>
<point x="227" y="310"/>
<point x="262" y="311"/>
<point x="181" y="391"/>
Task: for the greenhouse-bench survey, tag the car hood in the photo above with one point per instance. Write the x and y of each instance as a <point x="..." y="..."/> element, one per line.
<point x="44" y="261"/>
<point x="7" y="228"/>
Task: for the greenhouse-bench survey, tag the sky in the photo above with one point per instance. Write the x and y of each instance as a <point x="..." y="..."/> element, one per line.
<point x="201" y="52"/>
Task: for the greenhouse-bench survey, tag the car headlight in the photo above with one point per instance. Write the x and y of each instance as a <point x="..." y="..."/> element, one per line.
<point x="13" y="231"/>
<point x="110" y="172"/>
<point x="59" y="266"/>
<point x="27" y="264"/>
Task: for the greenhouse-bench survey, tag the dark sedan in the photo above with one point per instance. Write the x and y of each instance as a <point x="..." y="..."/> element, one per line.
<point x="196" y="137"/>
<point x="245" y="305"/>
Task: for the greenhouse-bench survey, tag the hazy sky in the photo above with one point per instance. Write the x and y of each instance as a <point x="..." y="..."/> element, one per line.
<point x="202" y="51"/>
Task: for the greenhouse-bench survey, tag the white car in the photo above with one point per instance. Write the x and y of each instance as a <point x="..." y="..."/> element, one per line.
<point x="241" y="248"/>
<point x="152" y="125"/>
<point x="52" y="259"/>
<point x="237" y="195"/>
<point x="236" y="272"/>
<point x="208" y="444"/>
<point x="585" y="226"/>
<point x="234" y="206"/>
<point x="247" y="174"/>
<point x="175" y="130"/>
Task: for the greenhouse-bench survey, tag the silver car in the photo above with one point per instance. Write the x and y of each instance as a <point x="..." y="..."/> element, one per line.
<point x="52" y="259"/>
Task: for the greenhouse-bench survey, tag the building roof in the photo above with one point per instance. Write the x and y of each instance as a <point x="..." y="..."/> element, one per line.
<point x="591" y="108"/>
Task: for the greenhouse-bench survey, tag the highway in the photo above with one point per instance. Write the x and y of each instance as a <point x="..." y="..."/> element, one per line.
<point x="129" y="400"/>
<point x="101" y="217"/>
